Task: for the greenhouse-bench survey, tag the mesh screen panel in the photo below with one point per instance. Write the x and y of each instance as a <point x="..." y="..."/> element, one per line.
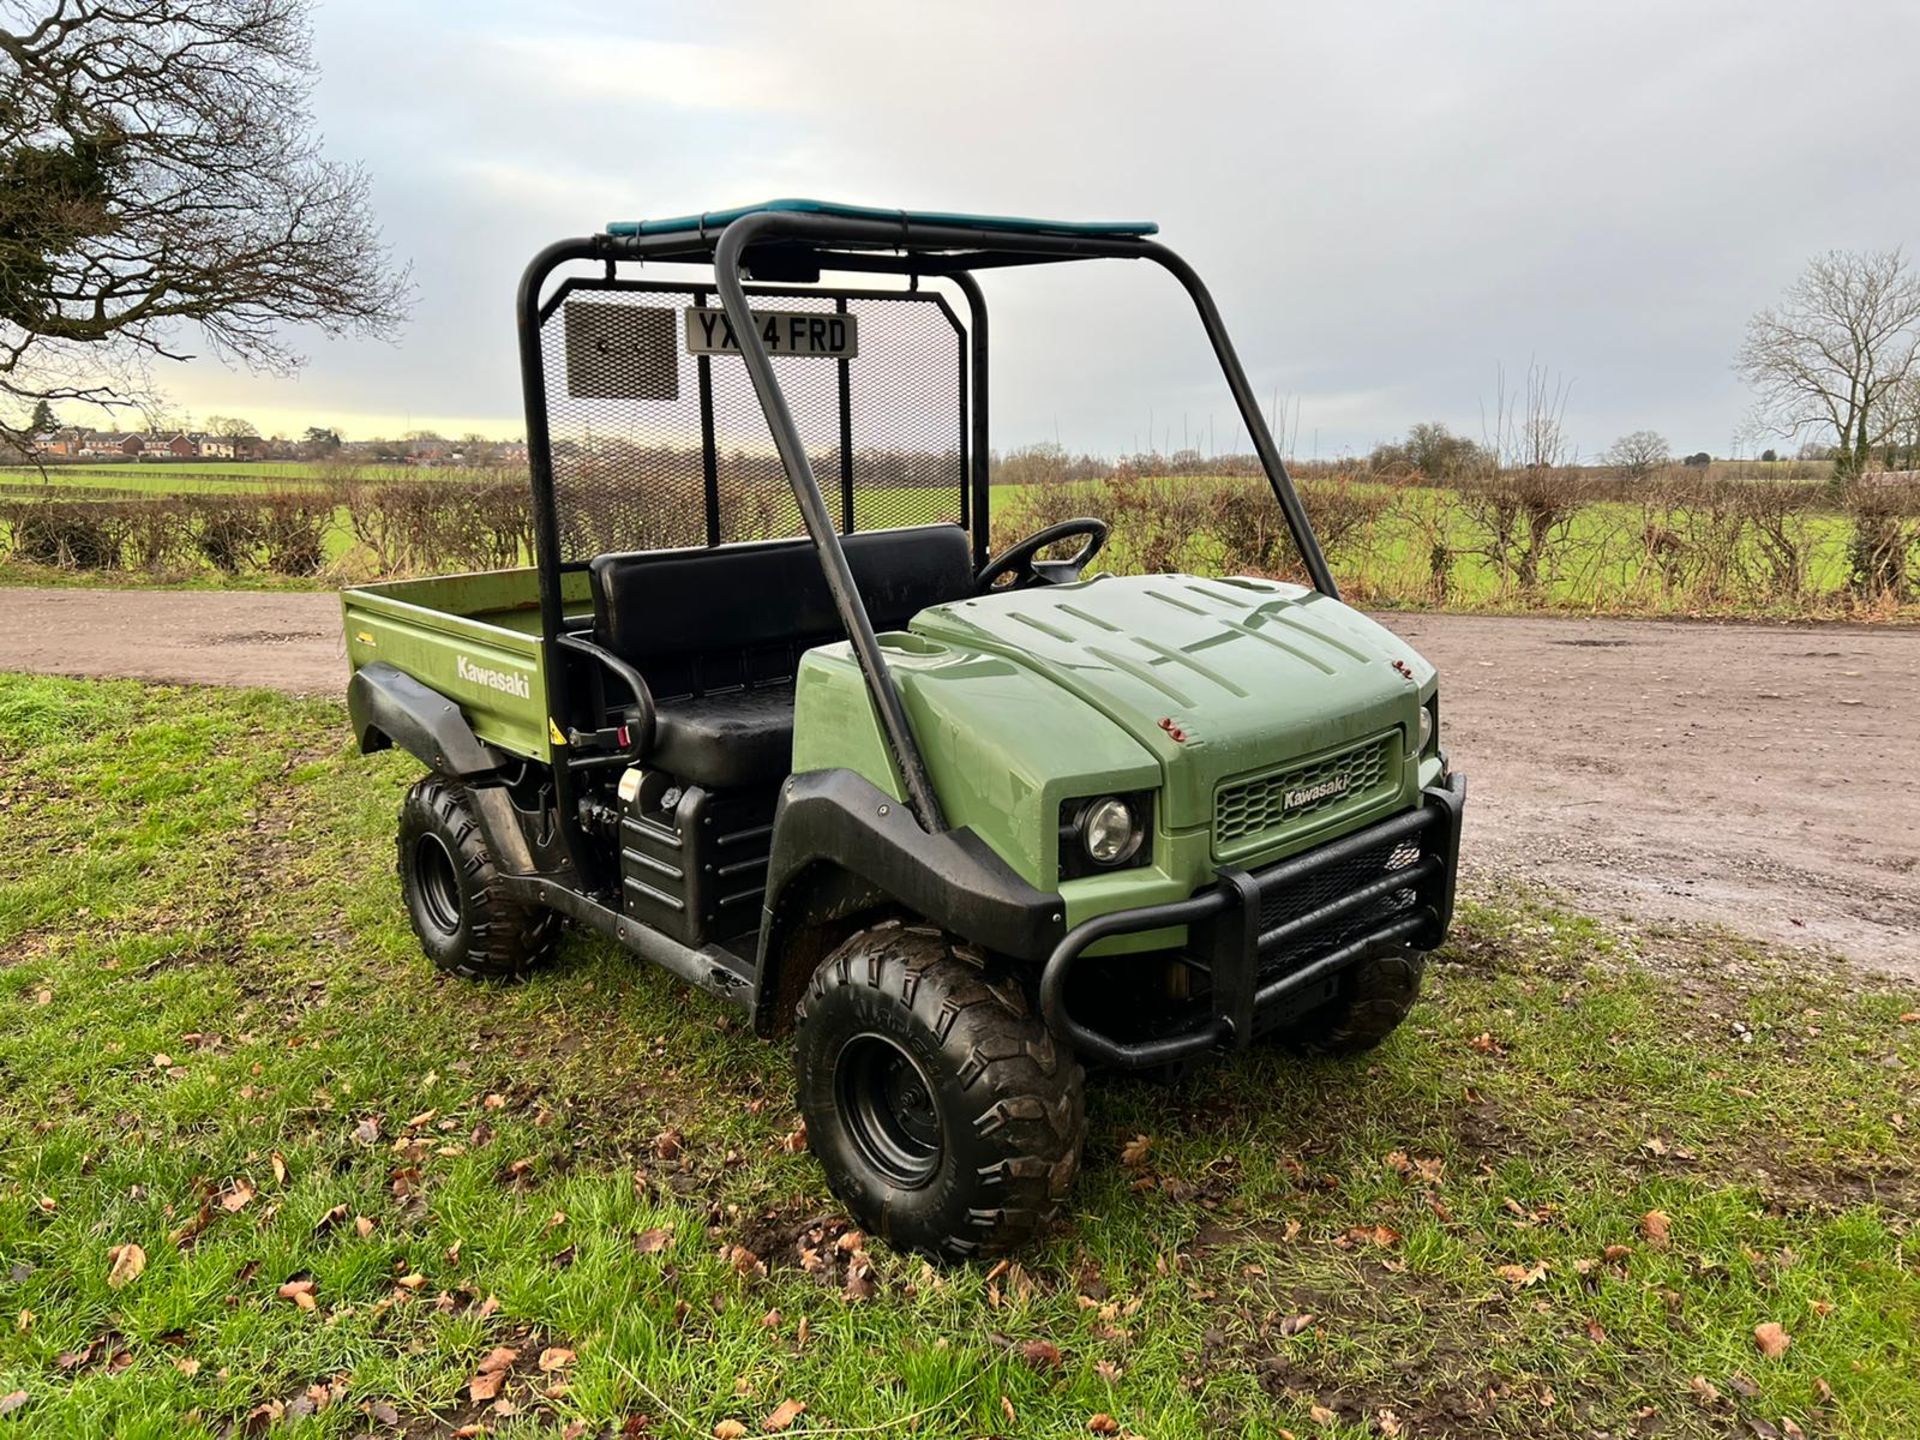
<point x="647" y="453"/>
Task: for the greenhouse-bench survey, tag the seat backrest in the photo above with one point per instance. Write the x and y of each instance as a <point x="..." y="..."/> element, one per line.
<point x="697" y="620"/>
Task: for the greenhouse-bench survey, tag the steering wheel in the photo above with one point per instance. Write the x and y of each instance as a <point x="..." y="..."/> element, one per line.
<point x="1019" y="560"/>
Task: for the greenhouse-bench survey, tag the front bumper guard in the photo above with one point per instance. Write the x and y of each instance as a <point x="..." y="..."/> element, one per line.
<point x="1245" y="918"/>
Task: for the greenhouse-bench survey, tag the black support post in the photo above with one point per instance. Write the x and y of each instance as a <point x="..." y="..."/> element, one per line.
<point x="727" y="262"/>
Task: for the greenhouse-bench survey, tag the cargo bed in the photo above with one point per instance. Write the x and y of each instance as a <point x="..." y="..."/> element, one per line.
<point x="475" y="638"/>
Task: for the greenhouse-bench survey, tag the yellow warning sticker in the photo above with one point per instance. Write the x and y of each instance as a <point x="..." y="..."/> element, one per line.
<point x="553" y="732"/>
<point x="365" y="637"/>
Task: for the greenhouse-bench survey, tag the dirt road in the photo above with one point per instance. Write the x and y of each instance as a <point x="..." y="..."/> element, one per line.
<point x="1749" y="776"/>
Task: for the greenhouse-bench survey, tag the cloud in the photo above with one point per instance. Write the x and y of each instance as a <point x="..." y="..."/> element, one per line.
<point x="1388" y="201"/>
<point x="677" y="74"/>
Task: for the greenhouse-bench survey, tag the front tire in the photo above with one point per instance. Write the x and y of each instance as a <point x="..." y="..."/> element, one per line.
<point x="945" y="1116"/>
<point x="1375" y="995"/>
<point x="454" y="893"/>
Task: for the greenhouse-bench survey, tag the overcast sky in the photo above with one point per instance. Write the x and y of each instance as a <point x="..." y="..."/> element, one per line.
<point x="1391" y="201"/>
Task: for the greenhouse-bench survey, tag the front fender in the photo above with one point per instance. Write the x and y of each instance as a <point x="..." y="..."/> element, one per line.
<point x="842" y="845"/>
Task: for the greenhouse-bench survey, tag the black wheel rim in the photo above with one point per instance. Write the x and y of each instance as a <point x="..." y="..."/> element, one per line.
<point x="437" y="884"/>
<point x="889" y="1110"/>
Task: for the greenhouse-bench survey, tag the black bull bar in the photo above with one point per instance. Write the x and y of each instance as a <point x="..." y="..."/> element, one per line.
<point x="1263" y="936"/>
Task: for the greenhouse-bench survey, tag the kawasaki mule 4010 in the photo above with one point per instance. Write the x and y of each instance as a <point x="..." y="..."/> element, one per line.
<point x="955" y="826"/>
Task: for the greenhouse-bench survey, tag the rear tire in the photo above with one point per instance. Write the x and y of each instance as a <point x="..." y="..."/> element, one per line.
<point x="1375" y="995"/>
<point x="454" y="891"/>
<point x="945" y="1116"/>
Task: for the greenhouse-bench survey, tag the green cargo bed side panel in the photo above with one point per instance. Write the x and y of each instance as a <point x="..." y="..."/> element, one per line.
<point x="473" y="638"/>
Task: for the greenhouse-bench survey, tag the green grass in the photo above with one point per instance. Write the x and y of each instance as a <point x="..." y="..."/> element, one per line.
<point x="197" y="477"/>
<point x="206" y="980"/>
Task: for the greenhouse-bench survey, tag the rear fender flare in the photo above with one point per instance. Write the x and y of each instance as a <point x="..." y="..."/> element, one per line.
<point x="389" y="707"/>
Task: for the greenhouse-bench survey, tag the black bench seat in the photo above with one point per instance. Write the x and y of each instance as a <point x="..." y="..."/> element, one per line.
<point x="718" y="634"/>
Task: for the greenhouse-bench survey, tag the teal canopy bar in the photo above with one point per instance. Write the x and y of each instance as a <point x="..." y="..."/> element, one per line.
<point x="1005" y="224"/>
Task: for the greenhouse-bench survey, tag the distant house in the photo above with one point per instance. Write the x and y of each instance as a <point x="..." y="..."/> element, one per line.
<point x="60" y="442"/>
<point x="181" y="446"/>
<point x="232" y="447"/>
<point x="108" y="443"/>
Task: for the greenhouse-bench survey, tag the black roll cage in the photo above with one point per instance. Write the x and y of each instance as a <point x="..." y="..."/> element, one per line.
<point x="804" y="243"/>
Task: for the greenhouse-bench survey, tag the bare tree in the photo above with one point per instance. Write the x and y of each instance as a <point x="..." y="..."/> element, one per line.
<point x="1903" y="431"/>
<point x="1636" y="455"/>
<point x="1528" y="427"/>
<point x="1831" y="356"/>
<point x="1521" y="505"/>
<point x="231" y="427"/>
<point x="159" y="176"/>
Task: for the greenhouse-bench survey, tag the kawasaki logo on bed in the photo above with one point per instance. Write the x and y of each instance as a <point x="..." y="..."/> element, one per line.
<point x="1308" y="794"/>
<point x="783" y="332"/>
<point x="507" y="682"/>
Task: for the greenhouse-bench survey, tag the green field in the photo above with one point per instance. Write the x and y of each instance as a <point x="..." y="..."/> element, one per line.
<point x="1559" y="1203"/>
<point x="191" y="477"/>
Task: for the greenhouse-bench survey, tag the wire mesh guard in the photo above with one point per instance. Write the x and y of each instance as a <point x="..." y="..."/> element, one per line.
<point x="653" y="447"/>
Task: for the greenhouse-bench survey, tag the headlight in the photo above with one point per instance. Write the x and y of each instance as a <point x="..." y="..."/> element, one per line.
<point x="1110" y="831"/>
<point x="1426" y="730"/>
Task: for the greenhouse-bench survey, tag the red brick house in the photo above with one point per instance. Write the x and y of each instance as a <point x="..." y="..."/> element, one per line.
<point x="106" y="442"/>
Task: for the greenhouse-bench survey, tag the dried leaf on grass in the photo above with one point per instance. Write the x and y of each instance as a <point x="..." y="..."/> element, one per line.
<point x="1041" y="1354"/>
<point x="300" y="1292"/>
<point x="492" y="1372"/>
<point x="124" y="1264"/>
<point x="336" y="1216"/>
<point x="1771" y="1339"/>
<point x="783" y="1415"/>
<point x="1521" y="1276"/>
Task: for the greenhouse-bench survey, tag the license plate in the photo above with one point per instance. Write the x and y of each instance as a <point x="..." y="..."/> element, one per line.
<point x="784" y="332"/>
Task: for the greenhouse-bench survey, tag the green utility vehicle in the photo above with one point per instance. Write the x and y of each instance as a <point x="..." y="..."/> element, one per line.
<point x="766" y="712"/>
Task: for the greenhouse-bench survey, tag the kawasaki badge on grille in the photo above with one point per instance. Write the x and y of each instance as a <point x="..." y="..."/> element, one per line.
<point x="1309" y="794"/>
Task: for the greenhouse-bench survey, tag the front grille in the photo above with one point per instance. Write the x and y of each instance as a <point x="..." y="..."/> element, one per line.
<point x="1256" y="807"/>
<point x="1282" y="903"/>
